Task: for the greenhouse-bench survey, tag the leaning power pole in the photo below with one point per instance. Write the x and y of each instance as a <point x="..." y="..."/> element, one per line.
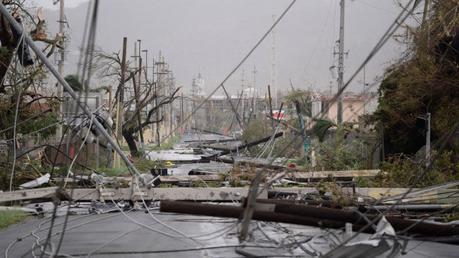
<point x="341" y="64"/>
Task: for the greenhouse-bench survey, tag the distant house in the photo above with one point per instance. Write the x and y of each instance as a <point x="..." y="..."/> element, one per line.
<point x="354" y="106"/>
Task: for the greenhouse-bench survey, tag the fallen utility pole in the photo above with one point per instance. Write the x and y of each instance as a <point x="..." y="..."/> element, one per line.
<point x="66" y="86"/>
<point x="250" y="144"/>
<point x="250" y="207"/>
<point x="190" y="193"/>
<point x="206" y="131"/>
<point x="267" y="165"/>
<point x="307" y="215"/>
<point x="101" y="194"/>
<point x="237" y="212"/>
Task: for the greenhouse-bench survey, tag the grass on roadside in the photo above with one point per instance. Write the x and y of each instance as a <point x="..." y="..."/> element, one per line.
<point x="8" y="218"/>
<point x="167" y="145"/>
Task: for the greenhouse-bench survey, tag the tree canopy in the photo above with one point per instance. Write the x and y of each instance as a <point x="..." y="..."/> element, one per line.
<point x="424" y="81"/>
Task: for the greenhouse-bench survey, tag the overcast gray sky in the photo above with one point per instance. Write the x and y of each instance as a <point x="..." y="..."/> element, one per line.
<point x="210" y="37"/>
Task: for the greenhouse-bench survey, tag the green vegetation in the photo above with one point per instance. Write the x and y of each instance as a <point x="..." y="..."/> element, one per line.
<point x="167" y="145"/>
<point x="402" y="172"/>
<point x="260" y="128"/>
<point x="114" y="171"/>
<point x="74" y="82"/>
<point x="339" y="154"/>
<point x="8" y="218"/>
<point x="424" y="80"/>
<point x="143" y="165"/>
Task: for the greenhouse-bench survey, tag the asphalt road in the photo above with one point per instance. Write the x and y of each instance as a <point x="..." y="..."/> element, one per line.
<point x="116" y="235"/>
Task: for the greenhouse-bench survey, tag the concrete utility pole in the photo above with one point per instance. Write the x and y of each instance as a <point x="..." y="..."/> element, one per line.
<point x="154" y="81"/>
<point x="159" y="67"/>
<point x="60" y="65"/>
<point x="427" y="119"/>
<point x="120" y="100"/>
<point x="341" y="63"/>
<point x="138" y="93"/>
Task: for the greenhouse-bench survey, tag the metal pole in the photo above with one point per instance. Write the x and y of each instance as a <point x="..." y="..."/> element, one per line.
<point x="341" y="64"/>
<point x="66" y="86"/>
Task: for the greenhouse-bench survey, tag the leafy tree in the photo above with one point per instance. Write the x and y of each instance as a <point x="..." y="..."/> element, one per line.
<point x="24" y="102"/>
<point x="21" y="84"/>
<point x="74" y="82"/>
<point x="424" y="80"/>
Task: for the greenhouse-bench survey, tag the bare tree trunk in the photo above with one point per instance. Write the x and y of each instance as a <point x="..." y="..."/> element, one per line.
<point x="130" y="140"/>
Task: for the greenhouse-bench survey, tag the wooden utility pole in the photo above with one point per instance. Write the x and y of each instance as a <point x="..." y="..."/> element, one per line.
<point x="120" y="101"/>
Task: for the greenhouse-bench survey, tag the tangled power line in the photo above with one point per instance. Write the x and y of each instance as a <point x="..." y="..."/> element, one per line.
<point x="55" y="250"/>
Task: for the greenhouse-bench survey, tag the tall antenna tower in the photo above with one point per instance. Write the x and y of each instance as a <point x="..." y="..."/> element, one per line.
<point x="274" y="66"/>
